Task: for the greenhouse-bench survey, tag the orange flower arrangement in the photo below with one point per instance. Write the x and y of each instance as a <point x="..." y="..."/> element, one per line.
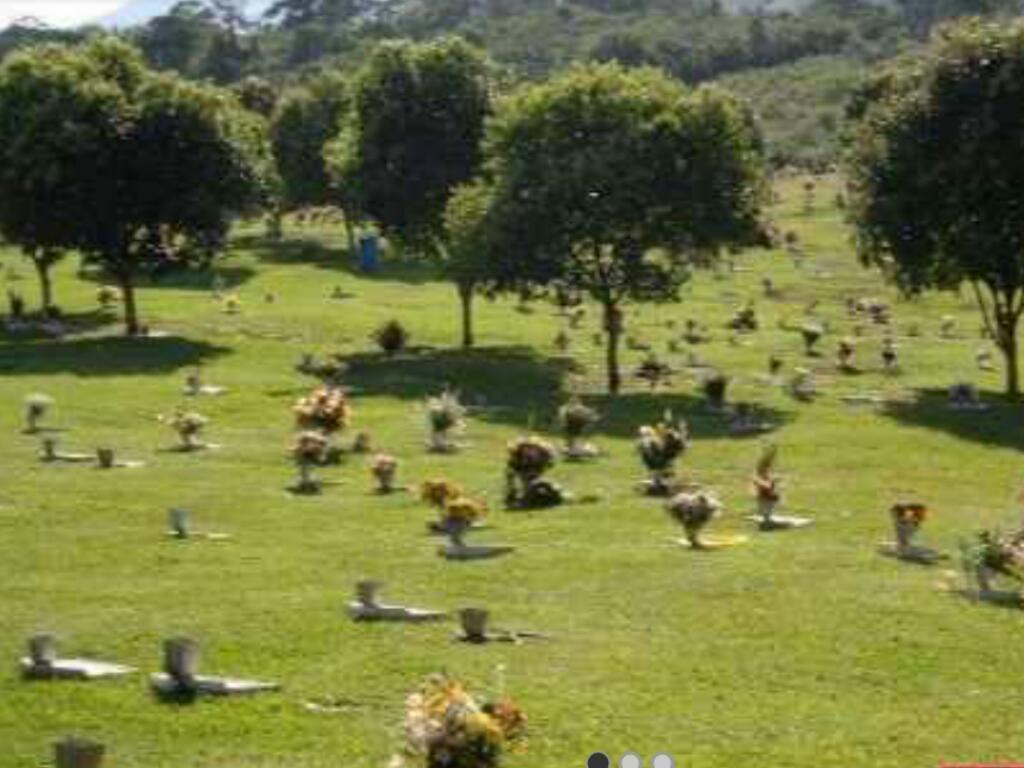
<point x="325" y="409"/>
<point x="437" y="493"/>
<point x="911" y="513"/>
<point x="447" y="727"/>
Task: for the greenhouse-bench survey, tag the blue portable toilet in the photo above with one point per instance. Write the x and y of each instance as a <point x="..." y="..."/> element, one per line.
<point x="369" y="251"/>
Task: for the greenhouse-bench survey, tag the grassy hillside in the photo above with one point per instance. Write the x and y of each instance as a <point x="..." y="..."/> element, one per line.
<point x="796" y="649"/>
<point x="800" y="106"/>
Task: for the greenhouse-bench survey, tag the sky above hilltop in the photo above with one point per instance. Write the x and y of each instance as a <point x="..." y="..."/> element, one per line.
<point x="58" y="13"/>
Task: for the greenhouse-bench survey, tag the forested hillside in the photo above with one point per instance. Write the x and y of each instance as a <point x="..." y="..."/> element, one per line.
<point x="795" y="60"/>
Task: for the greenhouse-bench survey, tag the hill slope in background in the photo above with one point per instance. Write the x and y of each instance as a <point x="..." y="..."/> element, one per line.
<point x="134" y="12"/>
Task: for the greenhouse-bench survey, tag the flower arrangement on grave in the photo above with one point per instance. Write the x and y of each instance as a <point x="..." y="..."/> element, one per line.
<point x="907" y="518"/>
<point x="845" y="351"/>
<point x="325" y="410"/>
<point x="744" y="420"/>
<point x="890" y="354"/>
<point x="576" y="418"/>
<point x="392" y="337"/>
<point x="694" y="334"/>
<point x="562" y="342"/>
<point x="714" y="386"/>
<point x="459" y="515"/>
<point x="447" y="727"/>
<point x="653" y="371"/>
<point x="384" y="468"/>
<point x="362" y="443"/>
<point x="811" y="333"/>
<point x="963" y="395"/>
<point x="766" y="484"/>
<point x="458" y="512"/>
<point x="439" y="492"/>
<point x="659" y="446"/>
<point x="232" y="305"/>
<point x="693" y="511"/>
<point x="36" y="406"/>
<point x="107" y="296"/>
<point x="308" y="450"/>
<point x="996" y="553"/>
<point x="189" y="425"/>
<point x="528" y="459"/>
<point x="744" y="319"/>
<point x="803" y="385"/>
<point x="193" y="383"/>
<point x="445" y="416"/>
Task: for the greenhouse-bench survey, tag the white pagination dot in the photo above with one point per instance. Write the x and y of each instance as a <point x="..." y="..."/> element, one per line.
<point x="663" y="761"/>
<point x="630" y="760"/>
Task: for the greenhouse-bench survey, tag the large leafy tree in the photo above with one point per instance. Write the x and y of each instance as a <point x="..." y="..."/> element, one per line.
<point x="467" y="249"/>
<point x="417" y="123"/>
<point x="418" y="113"/>
<point x="936" y="173"/>
<point x="136" y="170"/>
<point x="614" y="183"/>
<point x="307" y="118"/>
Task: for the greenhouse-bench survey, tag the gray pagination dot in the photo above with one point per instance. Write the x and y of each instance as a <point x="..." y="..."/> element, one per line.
<point x="662" y="760"/>
<point x="599" y="760"/>
<point x="631" y="760"/>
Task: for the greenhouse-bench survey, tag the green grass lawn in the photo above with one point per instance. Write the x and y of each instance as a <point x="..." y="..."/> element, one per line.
<point x="803" y="648"/>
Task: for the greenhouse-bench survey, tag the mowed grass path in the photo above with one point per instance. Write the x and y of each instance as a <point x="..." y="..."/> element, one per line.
<point x="797" y="649"/>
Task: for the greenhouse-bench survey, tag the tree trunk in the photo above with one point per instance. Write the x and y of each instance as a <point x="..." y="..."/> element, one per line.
<point x="1007" y="343"/>
<point x="131" y="313"/>
<point x="45" y="283"/>
<point x="275" y="225"/>
<point x="350" y="233"/>
<point x="466" y="298"/>
<point x="613" y="327"/>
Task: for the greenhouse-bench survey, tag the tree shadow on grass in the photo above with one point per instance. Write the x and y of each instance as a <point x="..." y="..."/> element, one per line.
<point x="998" y="425"/>
<point x="187" y="279"/>
<point x="111" y="356"/>
<point x="622" y="415"/>
<point x="72" y="323"/>
<point x="516" y="386"/>
<point x="299" y="250"/>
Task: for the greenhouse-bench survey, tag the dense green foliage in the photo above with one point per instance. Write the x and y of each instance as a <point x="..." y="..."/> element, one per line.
<point x="307" y="118"/>
<point x="611" y="181"/>
<point x="137" y="171"/>
<point x="695" y="40"/>
<point x="417" y="123"/>
<point x="937" y="175"/>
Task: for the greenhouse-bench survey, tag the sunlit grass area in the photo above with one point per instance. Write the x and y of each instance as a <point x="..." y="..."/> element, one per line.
<point x="800" y="648"/>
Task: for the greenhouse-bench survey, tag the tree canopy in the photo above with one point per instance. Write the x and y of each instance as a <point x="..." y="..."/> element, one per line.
<point x="308" y="117"/>
<point x="135" y="170"/>
<point x="417" y="122"/>
<point x="612" y="182"/>
<point x="936" y="173"/>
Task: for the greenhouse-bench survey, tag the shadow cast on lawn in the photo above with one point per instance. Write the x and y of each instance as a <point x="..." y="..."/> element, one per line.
<point x="298" y="250"/>
<point x="195" y="278"/>
<point x="516" y="386"/>
<point x="72" y="322"/>
<point x="997" y="425"/>
<point x="110" y="356"/>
